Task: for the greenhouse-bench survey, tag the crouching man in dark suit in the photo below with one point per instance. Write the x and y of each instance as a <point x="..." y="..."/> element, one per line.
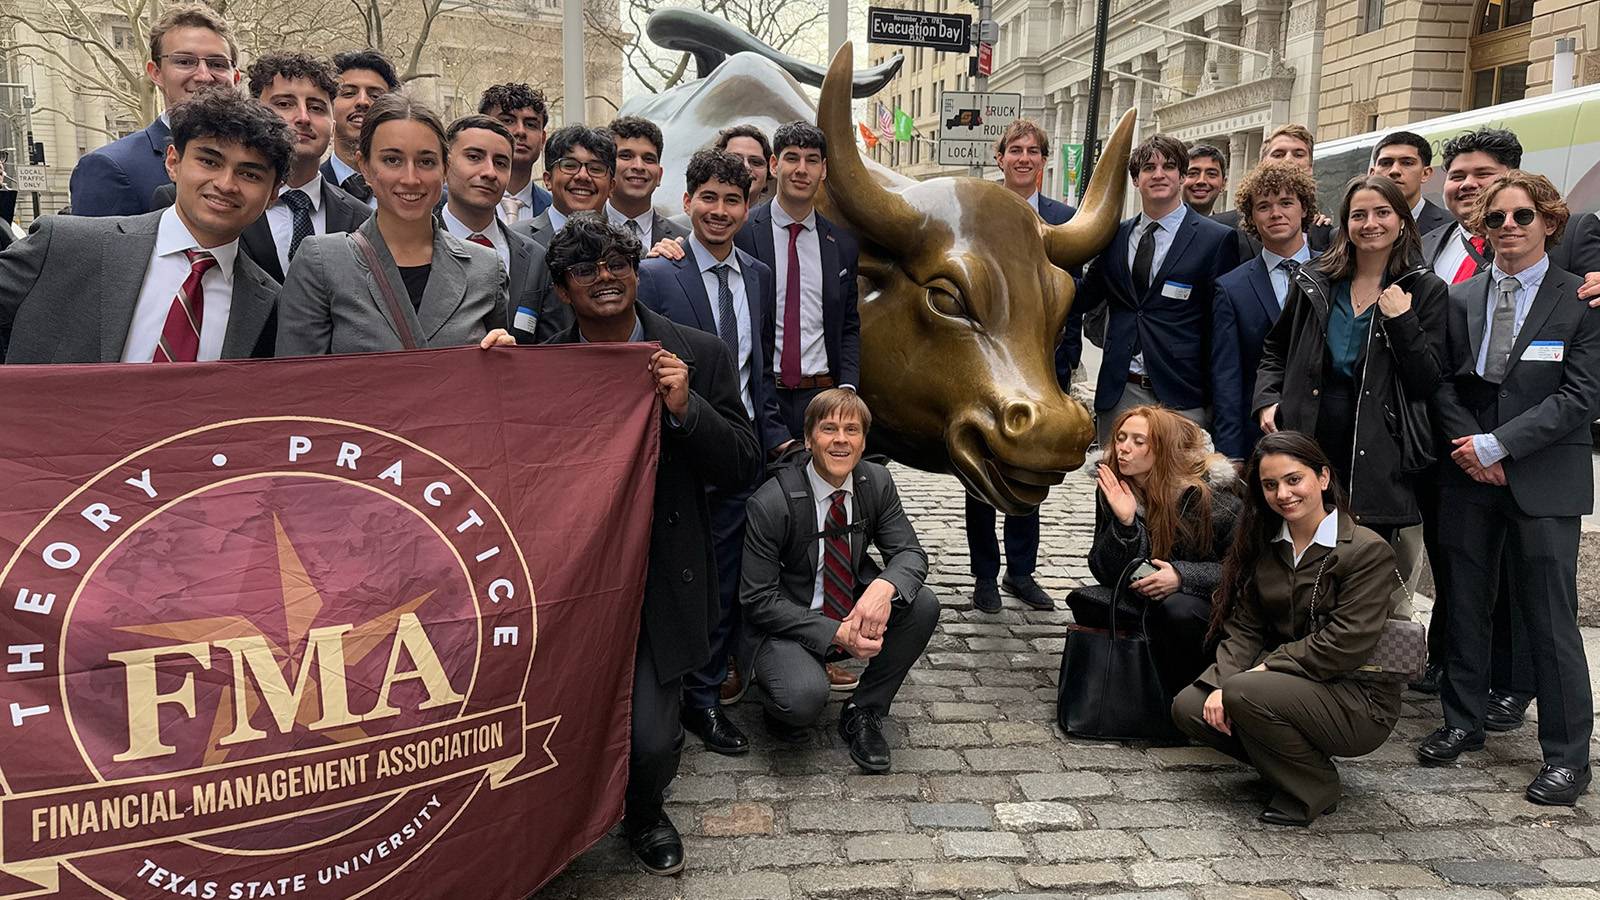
<point x="706" y="441"/>
<point x="811" y="594"/>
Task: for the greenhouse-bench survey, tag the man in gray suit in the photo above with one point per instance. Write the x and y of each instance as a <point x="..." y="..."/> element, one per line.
<point x="580" y="165"/>
<point x="165" y="286"/>
<point x="639" y="148"/>
<point x="476" y="169"/>
<point x="810" y="592"/>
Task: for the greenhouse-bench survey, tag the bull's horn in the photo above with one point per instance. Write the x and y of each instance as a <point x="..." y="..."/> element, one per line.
<point x="1096" y="221"/>
<point x="711" y="40"/>
<point x="868" y="208"/>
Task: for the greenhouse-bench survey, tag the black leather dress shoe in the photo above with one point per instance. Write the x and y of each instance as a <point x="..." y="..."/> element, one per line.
<point x="657" y="846"/>
<point x="1024" y="588"/>
<point x="986" y="596"/>
<point x="1273" y="816"/>
<point x="782" y="731"/>
<point x="713" y="726"/>
<point x="1558" y="786"/>
<point x="1446" y="743"/>
<point x="862" y="729"/>
<point x="1429" y="682"/>
<point x="1504" y="712"/>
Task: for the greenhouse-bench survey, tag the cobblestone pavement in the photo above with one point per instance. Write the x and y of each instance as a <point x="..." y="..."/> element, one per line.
<point x="988" y="799"/>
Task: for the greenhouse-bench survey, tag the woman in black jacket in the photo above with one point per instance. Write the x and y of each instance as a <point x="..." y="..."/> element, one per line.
<point x="1166" y="499"/>
<point x="1356" y="355"/>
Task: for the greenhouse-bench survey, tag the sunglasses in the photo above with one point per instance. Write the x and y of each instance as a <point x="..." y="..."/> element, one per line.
<point x="1497" y="220"/>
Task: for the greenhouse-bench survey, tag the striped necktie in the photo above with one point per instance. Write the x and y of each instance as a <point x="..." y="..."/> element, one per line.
<point x="180" y="336"/>
<point x="838" y="579"/>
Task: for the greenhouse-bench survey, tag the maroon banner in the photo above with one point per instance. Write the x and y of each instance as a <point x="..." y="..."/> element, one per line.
<point x="328" y="628"/>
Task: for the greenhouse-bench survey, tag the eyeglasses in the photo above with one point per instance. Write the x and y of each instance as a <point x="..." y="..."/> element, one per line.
<point x="1497" y="220"/>
<point x="594" y="167"/>
<point x="585" y="274"/>
<point x="188" y="62"/>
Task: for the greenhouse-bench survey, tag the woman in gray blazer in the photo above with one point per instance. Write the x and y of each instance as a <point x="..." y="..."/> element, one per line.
<point x="400" y="281"/>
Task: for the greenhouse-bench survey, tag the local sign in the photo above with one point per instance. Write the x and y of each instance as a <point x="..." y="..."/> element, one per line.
<point x="946" y="32"/>
<point x="971" y="122"/>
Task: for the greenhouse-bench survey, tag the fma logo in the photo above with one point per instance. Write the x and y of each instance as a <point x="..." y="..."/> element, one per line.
<point x="263" y="657"/>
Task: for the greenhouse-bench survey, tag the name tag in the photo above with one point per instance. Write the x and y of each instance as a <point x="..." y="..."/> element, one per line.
<point x="525" y="319"/>
<point x="1176" y="290"/>
<point x="1545" y="351"/>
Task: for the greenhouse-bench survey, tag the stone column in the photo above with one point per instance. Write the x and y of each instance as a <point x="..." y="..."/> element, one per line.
<point x="1263" y="30"/>
<point x="1122" y="98"/>
<point x="1146" y="67"/>
<point x="1186" y="59"/>
<point x="1222" y="65"/>
<point x="1239" y="161"/>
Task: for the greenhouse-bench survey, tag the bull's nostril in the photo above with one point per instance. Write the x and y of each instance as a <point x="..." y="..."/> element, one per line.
<point x="1016" y="417"/>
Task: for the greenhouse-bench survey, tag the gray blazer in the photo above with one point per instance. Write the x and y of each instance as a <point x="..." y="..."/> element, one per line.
<point x="532" y="301"/>
<point x="538" y="228"/>
<point x="68" y="290"/>
<point x="331" y="302"/>
<point x="778" y="573"/>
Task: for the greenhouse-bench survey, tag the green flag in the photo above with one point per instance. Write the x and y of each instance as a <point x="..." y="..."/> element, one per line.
<point x="1072" y="168"/>
<point x="902" y="125"/>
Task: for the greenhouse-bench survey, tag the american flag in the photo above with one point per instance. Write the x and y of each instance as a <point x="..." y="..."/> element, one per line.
<point x="885" y="122"/>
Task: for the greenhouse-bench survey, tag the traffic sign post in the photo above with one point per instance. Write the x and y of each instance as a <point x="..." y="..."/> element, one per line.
<point x="969" y="124"/>
<point x="940" y="32"/>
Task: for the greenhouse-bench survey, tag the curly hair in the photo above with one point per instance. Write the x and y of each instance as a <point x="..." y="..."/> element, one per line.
<point x="511" y="97"/>
<point x="223" y="113"/>
<point x="627" y="128"/>
<point x="589" y="237"/>
<point x="1270" y="179"/>
<point x="597" y="141"/>
<point x="290" y="66"/>
<point x="717" y="165"/>
<point x="369" y="59"/>
<point x="1547" y="202"/>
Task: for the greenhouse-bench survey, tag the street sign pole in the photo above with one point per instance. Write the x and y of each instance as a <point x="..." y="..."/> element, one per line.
<point x="981" y="83"/>
<point x="1097" y="73"/>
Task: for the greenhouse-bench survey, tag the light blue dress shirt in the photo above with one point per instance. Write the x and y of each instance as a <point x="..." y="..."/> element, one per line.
<point x="1487" y="446"/>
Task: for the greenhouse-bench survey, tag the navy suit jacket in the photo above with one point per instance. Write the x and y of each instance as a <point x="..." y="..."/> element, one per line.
<point x="841" y="320"/>
<point x="1174" y="332"/>
<point x="1242" y="312"/>
<point x="675" y="289"/>
<point x="1069" y="350"/>
<point x="120" y="179"/>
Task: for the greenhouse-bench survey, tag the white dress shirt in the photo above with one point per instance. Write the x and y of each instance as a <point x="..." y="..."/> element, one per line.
<point x="822" y="495"/>
<point x="1327" y="535"/>
<point x="741" y="310"/>
<point x="1167" y="230"/>
<point x="645" y="220"/>
<point x="1416" y="211"/>
<point x="343" y="172"/>
<point x="280" y="217"/>
<point x="1452" y="253"/>
<point x="1279" y="277"/>
<point x="525" y="197"/>
<point x="558" y="219"/>
<point x="496" y="237"/>
<point x="1487" y="446"/>
<point x="813" y="349"/>
<point x="164" y="277"/>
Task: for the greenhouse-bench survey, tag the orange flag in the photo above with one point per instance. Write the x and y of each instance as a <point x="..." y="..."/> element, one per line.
<point x="868" y="135"/>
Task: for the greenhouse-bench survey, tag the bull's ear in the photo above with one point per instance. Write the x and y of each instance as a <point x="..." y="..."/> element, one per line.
<point x="1095" y="223"/>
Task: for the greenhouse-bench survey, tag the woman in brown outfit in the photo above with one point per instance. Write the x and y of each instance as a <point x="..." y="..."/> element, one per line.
<point x="1279" y="696"/>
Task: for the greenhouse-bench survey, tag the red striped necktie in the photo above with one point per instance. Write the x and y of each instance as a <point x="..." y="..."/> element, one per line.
<point x="838" y="579"/>
<point x="478" y="238"/>
<point x="180" y="336"/>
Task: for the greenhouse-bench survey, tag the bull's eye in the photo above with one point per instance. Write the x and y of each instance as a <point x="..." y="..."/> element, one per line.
<point x="945" y="299"/>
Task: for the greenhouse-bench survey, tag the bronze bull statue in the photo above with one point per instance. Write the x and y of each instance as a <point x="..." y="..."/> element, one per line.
<point x="964" y="291"/>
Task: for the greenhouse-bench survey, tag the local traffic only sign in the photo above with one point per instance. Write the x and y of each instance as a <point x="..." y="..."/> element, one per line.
<point x="947" y="32"/>
<point x="970" y="123"/>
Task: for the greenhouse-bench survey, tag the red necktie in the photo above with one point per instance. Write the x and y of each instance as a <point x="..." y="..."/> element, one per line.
<point x="478" y="238"/>
<point x="838" y="580"/>
<point x="1469" y="266"/>
<point x="791" y="310"/>
<point x="180" y="336"/>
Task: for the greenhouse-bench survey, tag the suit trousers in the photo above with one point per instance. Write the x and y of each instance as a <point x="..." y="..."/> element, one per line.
<point x="1485" y="528"/>
<point x="792" y="409"/>
<point x="1022" y="541"/>
<point x="1289" y="728"/>
<point x="702" y="688"/>
<point x="796" y="685"/>
<point x="1137" y="395"/>
<point x="657" y="737"/>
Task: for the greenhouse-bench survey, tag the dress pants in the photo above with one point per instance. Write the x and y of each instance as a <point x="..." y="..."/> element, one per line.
<point x="1022" y="541"/>
<point x="796" y="686"/>
<point x="1138" y="395"/>
<point x="792" y="409"/>
<point x="1485" y="529"/>
<point x="1289" y="728"/>
<point x="657" y="738"/>
<point x="702" y="688"/>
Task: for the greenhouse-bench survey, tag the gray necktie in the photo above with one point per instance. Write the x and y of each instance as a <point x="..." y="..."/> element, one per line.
<point x="633" y="229"/>
<point x="1502" y="332"/>
<point x="727" y="325"/>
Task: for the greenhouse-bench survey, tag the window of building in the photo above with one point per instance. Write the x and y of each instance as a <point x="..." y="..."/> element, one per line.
<point x="1371" y="15"/>
<point x="122" y="37"/>
<point x="1497" y="53"/>
<point x="1499" y="85"/>
<point x="1498" y="14"/>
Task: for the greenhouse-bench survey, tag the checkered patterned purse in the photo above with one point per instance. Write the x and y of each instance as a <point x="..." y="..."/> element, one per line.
<point x="1402" y="651"/>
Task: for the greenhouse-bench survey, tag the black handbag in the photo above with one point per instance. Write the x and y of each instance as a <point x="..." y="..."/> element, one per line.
<point x="1411" y="423"/>
<point x="1110" y="688"/>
